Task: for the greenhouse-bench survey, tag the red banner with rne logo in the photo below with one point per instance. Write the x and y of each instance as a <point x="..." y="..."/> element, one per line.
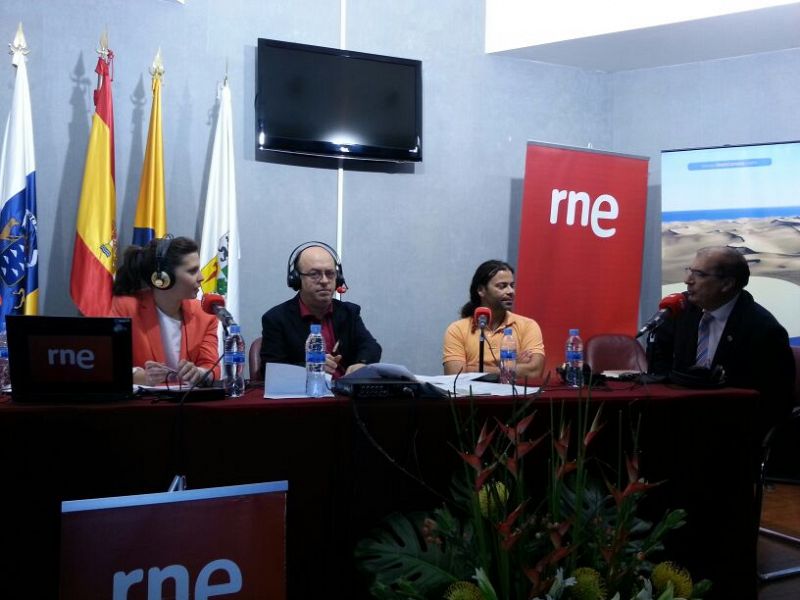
<point x="226" y="542"/>
<point x="581" y="240"/>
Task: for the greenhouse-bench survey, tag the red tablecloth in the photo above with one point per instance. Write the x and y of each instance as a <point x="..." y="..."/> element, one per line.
<point x="340" y="485"/>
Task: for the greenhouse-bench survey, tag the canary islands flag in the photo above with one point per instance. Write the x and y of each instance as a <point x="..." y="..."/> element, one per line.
<point x="19" y="269"/>
<point x="151" y="211"/>
<point x="94" y="260"/>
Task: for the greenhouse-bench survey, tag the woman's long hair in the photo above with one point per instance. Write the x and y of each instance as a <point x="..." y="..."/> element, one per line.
<point x="139" y="264"/>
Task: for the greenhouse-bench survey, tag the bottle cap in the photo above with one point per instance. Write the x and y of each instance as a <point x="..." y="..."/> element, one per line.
<point x="316" y="328"/>
<point x="508" y="331"/>
<point x="234" y="328"/>
<point x="574" y="331"/>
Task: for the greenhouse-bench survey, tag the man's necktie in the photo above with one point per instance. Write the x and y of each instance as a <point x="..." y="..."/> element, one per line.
<point x="703" y="358"/>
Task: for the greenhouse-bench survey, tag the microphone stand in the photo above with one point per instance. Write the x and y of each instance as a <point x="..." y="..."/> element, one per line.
<point x="178" y="483"/>
<point x="480" y="350"/>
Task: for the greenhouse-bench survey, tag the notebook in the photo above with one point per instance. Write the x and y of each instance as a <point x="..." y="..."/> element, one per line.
<point x="69" y="359"/>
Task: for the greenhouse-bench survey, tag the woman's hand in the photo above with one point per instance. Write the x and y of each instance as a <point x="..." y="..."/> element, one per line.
<point x="187" y="373"/>
<point x="190" y="372"/>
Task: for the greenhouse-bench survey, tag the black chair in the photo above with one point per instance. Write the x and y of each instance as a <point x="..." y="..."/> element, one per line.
<point x="786" y="431"/>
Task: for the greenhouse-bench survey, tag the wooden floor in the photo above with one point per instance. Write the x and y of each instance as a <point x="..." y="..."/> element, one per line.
<point x="781" y="512"/>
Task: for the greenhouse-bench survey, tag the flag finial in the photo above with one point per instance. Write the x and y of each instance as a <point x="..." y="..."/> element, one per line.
<point x="19" y="46"/>
<point x="157" y="69"/>
<point x="103" y="50"/>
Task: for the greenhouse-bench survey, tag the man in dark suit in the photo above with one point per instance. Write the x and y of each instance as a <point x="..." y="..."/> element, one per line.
<point x="315" y="273"/>
<point x="724" y="327"/>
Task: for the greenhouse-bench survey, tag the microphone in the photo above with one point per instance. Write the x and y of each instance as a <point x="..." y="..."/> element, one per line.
<point x="214" y="304"/>
<point x="481" y="317"/>
<point x="670" y="306"/>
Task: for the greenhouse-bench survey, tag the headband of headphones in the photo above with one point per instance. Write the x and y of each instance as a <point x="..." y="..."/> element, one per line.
<point x="161" y="278"/>
<point x="293" y="275"/>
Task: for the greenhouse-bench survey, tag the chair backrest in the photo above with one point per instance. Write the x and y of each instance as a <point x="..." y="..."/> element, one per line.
<point x="254" y="357"/>
<point x="614" y="351"/>
<point x="796" y="350"/>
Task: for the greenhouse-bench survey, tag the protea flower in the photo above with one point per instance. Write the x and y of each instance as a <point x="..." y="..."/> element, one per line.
<point x="681" y="580"/>
<point x="463" y="590"/>
<point x="589" y="585"/>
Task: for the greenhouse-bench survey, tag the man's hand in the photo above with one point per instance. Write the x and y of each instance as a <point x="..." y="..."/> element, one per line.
<point x="525" y="356"/>
<point x="332" y="363"/>
<point x="354" y="367"/>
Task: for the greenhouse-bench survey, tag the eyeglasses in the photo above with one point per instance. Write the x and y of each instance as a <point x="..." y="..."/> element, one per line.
<point x="698" y="274"/>
<point x="316" y="276"/>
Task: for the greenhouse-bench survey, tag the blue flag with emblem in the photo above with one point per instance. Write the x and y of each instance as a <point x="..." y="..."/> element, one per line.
<point x="19" y="271"/>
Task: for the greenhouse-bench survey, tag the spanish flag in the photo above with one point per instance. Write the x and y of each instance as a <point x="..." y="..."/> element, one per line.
<point x="94" y="260"/>
<point x="151" y="212"/>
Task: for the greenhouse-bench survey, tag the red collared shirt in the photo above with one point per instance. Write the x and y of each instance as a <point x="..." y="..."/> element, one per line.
<point x="327" y="329"/>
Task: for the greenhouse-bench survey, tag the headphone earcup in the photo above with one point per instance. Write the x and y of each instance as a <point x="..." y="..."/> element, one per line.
<point x="161" y="280"/>
<point x="340" y="282"/>
<point x="293" y="279"/>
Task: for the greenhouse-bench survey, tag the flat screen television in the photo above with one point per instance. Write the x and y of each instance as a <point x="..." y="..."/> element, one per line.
<point x="338" y="103"/>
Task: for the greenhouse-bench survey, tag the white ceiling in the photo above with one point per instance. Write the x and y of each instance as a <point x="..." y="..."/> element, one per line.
<point x="740" y="34"/>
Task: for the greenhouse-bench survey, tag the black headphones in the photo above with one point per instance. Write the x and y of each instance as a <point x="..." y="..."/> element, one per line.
<point x="293" y="275"/>
<point x="162" y="279"/>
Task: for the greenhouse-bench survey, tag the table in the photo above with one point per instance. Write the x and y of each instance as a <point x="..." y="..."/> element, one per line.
<point x="340" y="484"/>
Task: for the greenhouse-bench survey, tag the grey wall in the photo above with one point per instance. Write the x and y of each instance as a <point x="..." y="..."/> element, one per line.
<point x="412" y="237"/>
<point x="744" y="100"/>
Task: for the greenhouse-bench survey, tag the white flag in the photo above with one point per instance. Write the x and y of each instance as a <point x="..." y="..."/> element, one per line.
<point x="219" y="246"/>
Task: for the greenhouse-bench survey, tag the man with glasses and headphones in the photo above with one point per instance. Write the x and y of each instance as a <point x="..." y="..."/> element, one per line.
<point x="315" y="272"/>
<point x="724" y="328"/>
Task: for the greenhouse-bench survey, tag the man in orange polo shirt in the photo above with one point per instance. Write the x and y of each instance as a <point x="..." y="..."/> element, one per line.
<point x="493" y="287"/>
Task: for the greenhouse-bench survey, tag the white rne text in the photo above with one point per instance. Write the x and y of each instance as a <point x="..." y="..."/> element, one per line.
<point x="203" y="590"/>
<point x="604" y="207"/>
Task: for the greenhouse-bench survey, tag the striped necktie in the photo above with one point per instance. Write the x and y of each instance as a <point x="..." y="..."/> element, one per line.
<point x="703" y="358"/>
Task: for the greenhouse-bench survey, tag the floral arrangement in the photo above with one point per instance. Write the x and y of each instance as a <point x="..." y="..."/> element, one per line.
<point x="579" y="538"/>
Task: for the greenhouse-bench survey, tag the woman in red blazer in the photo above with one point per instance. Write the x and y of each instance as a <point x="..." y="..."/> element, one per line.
<point x="156" y="286"/>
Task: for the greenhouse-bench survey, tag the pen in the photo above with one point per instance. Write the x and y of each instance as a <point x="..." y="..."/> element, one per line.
<point x="335" y="348"/>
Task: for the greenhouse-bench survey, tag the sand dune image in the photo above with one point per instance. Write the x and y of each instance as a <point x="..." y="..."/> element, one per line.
<point x="771" y="246"/>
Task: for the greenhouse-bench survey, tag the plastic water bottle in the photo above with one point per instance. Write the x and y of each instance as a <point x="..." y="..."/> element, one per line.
<point x="315" y="363"/>
<point x="5" y="378"/>
<point x="508" y="357"/>
<point x="574" y="356"/>
<point x="233" y="362"/>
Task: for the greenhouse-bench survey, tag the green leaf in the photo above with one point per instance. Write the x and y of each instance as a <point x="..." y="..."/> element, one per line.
<point x="396" y="551"/>
<point x="402" y="590"/>
<point x="669" y="593"/>
<point x="701" y="588"/>
<point x="486" y="587"/>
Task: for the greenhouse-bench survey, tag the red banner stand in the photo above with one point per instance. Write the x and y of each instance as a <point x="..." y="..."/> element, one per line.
<point x="581" y="241"/>
<point x="208" y="543"/>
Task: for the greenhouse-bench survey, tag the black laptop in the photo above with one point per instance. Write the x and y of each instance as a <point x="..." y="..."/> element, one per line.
<point x="69" y="359"/>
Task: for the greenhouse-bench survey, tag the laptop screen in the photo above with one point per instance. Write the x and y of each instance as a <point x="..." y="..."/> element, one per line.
<point x="55" y="359"/>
